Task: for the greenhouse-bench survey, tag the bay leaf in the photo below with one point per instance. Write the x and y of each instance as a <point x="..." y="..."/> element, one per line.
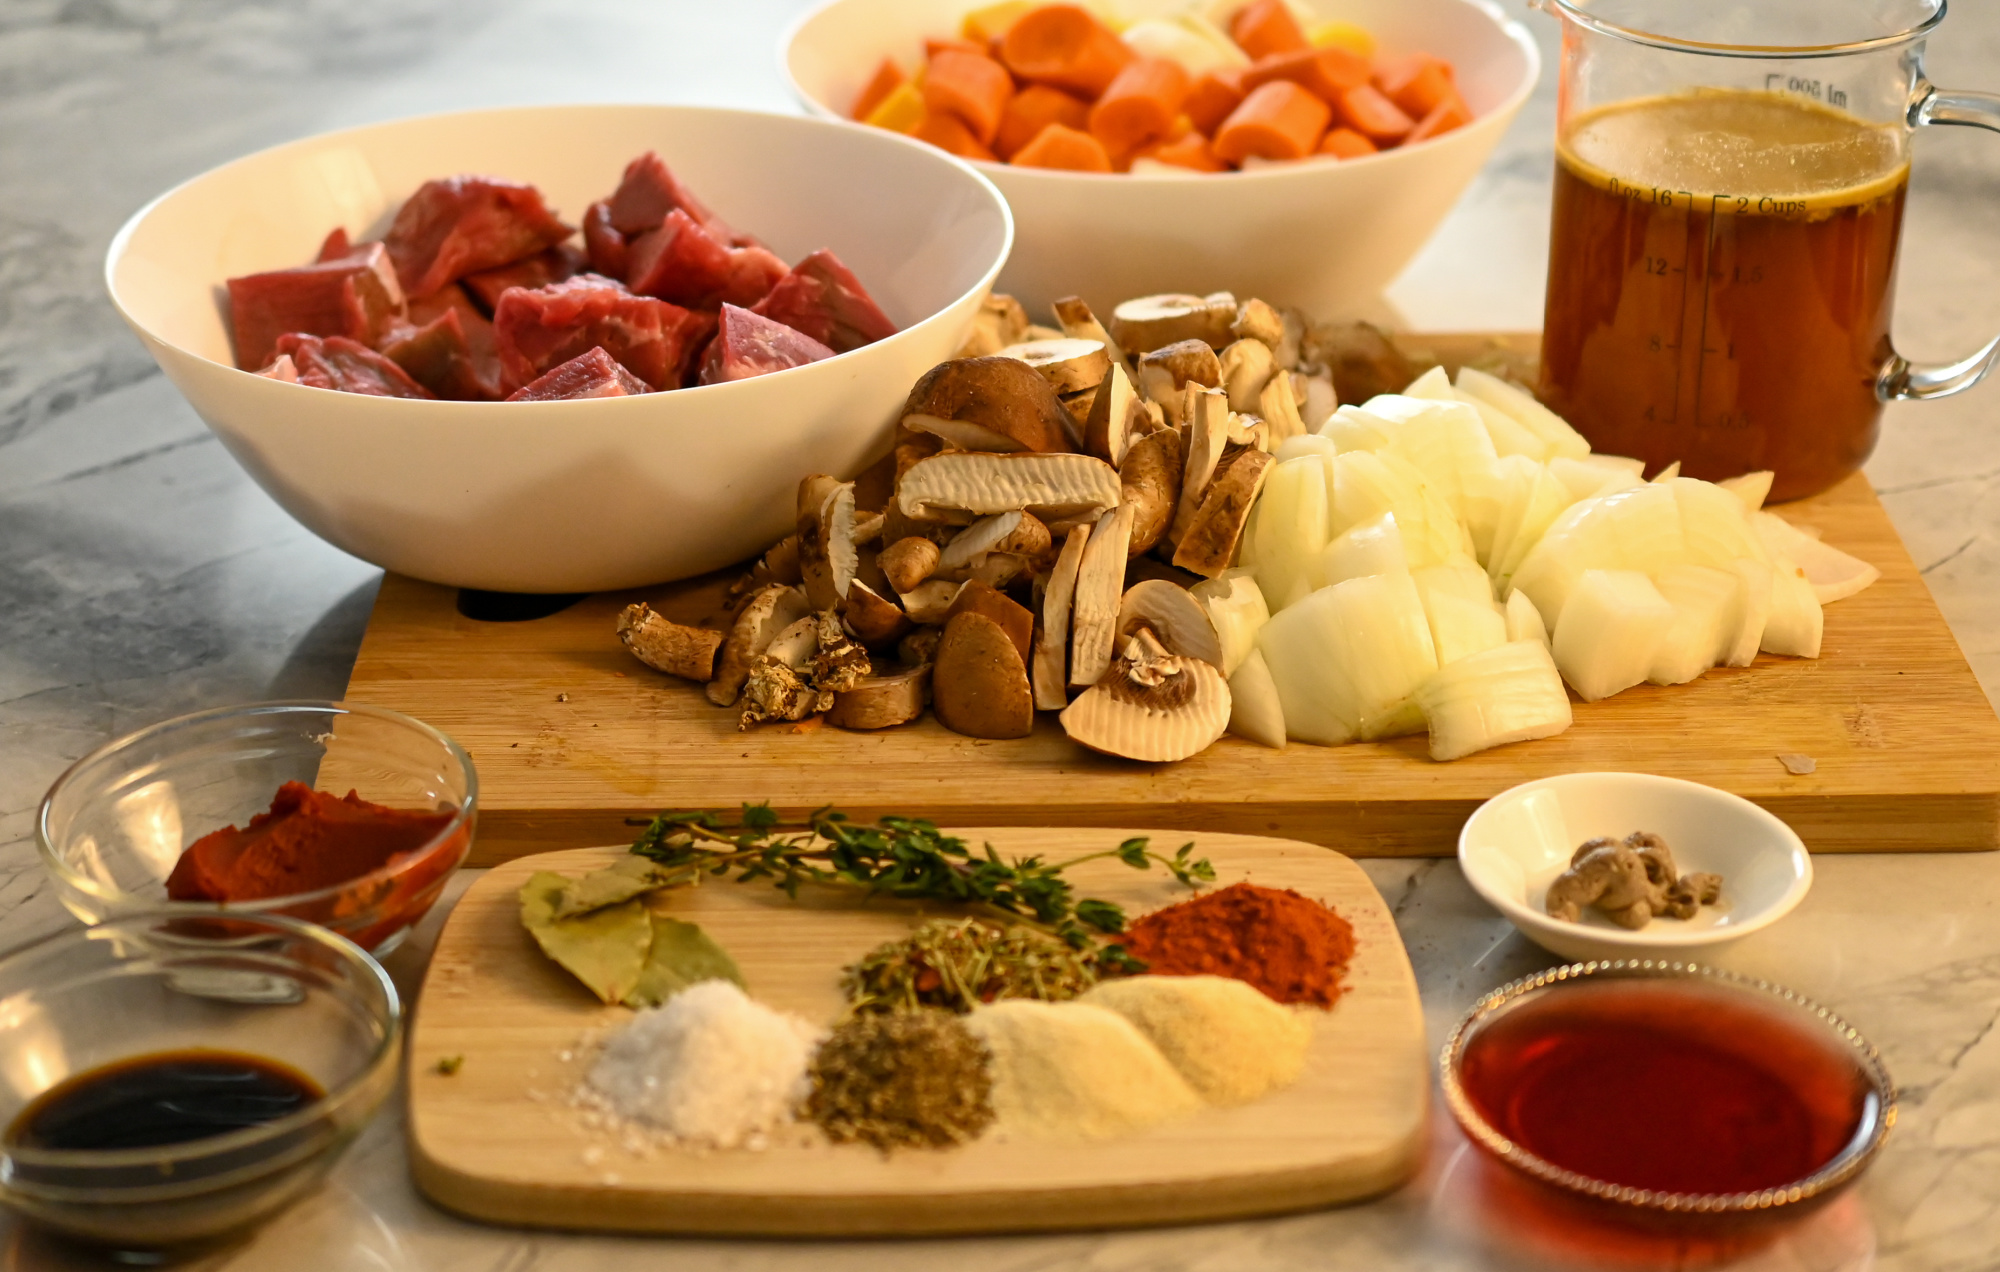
<point x="606" y="948"/>
<point x="681" y="955"/>
<point x="627" y="878"/>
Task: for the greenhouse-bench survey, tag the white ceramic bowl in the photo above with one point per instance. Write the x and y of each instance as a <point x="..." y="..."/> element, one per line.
<point x="566" y="496"/>
<point x="1516" y="843"/>
<point x="1324" y="235"/>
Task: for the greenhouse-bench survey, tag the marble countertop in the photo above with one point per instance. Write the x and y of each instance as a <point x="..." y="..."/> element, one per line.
<point x="142" y="575"/>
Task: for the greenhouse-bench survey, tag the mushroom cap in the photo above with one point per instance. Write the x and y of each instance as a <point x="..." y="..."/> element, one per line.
<point x="1070" y="364"/>
<point x="979" y="685"/>
<point x="1003" y="396"/>
<point x="1175" y="617"/>
<point x="1151" y="705"/>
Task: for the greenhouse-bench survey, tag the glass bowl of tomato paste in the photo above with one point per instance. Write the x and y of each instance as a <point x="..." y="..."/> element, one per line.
<point x="348" y="816"/>
<point x="1669" y="1093"/>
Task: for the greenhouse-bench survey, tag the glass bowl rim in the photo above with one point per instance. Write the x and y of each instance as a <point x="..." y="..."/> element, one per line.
<point x="113" y="896"/>
<point x="1577" y="11"/>
<point x="1845" y="1165"/>
<point x="336" y="1098"/>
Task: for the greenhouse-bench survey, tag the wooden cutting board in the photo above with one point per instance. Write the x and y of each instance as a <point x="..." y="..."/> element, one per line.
<point x="497" y="1140"/>
<point x="572" y="735"/>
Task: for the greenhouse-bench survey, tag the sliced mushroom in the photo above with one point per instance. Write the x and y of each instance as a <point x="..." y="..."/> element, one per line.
<point x="961" y="486"/>
<point x="879" y="702"/>
<point x="1000" y="322"/>
<point x="1257" y="321"/>
<point x="1279" y="406"/>
<point x="1108" y="429"/>
<point x="1247" y="366"/>
<point x="909" y="561"/>
<point x="875" y="485"/>
<point x="1173" y="616"/>
<point x="775" y="691"/>
<point x="1151" y="705"/>
<point x="770" y="610"/>
<point x="1209" y="543"/>
<point x="779" y="565"/>
<point x="1208" y="434"/>
<point x="1052" y="639"/>
<point x="867" y="525"/>
<point x="1079" y="405"/>
<point x="993" y="403"/>
<point x="1029" y="538"/>
<point x="1000" y="569"/>
<point x="875" y="620"/>
<point x="979" y="685"/>
<point x="1100" y="584"/>
<point x="1150" y="322"/>
<point x="1070" y="365"/>
<point x="979" y="538"/>
<point x="664" y="645"/>
<point x="839" y="663"/>
<point x="827" y="556"/>
<point x="1079" y="322"/>
<point x="920" y="646"/>
<point x="928" y="601"/>
<point x="1151" y="480"/>
<point x="1013" y="618"/>
<point x="796" y="645"/>
<point x="1164" y="372"/>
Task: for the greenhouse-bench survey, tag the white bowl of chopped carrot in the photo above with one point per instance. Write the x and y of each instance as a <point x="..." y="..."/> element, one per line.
<point x="1297" y="150"/>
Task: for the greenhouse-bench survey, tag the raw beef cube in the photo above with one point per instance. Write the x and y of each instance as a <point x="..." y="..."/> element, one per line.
<point x="546" y="327"/>
<point x="749" y="344"/>
<point x="565" y="260"/>
<point x="588" y="375"/>
<point x="462" y="225"/>
<point x="439" y="356"/>
<point x="356" y="296"/>
<point x="603" y="241"/>
<point x="647" y="193"/>
<point x="824" y="299"/>
<point x="282" y="368"/>
<point x="347" y="366"/>
<point x="334" y="246"/>
<point x="684" y="262"/>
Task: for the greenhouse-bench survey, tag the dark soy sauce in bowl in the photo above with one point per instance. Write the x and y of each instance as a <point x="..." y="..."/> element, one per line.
<point x="168" y="1097"/>
<point x="1673" y="1086"/>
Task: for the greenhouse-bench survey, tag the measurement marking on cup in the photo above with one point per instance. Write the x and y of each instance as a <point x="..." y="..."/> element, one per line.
<point x="1778" y="81"/>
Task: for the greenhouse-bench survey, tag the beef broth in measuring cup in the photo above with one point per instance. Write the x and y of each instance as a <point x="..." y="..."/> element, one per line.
<point x="1728" y="261"/>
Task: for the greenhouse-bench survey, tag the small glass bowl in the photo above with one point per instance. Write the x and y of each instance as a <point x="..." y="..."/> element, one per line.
<point x="138" y="985"/>
<point x="1805" y="1033"/>
<point x="113" y="826"/>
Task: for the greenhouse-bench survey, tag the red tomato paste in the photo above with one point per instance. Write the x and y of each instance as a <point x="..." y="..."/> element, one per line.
<point x="307" y="841"/>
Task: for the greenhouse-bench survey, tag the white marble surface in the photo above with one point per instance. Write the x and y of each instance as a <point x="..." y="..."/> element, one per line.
<point x="141" y="575"/>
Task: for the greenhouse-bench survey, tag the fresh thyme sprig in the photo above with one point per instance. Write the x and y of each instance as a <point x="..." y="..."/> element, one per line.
<point x="902" y="857"/>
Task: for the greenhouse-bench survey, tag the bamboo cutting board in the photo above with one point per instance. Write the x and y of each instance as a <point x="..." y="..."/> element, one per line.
<point x="497" y="1140"/>
<point x="572" y="735"/>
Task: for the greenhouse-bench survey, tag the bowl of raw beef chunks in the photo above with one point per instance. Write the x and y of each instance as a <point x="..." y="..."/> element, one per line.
<point x="560" y="349"/>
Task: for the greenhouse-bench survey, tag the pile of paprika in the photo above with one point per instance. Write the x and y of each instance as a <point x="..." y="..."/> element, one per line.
<point x="1292" y="948"/>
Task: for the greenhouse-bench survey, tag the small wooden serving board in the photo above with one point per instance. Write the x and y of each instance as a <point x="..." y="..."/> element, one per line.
<point x="498" y="1140"/>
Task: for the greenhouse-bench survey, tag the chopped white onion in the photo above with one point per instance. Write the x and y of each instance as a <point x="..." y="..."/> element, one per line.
<point x="1610" y="628"/>
<point x="1509" y="693"/>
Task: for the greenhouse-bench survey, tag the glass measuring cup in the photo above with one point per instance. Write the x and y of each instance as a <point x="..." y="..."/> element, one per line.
<point x="1730" y="181"/>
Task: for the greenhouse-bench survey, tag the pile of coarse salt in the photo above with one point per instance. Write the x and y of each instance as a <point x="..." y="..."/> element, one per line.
<point x="708" y="1066"/>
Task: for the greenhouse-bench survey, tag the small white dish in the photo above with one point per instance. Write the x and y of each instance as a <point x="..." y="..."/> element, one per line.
<point x="1516" y="843"/>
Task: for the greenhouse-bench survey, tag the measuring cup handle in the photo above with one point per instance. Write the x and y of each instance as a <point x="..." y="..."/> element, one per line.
<point x="1902" y="380"/>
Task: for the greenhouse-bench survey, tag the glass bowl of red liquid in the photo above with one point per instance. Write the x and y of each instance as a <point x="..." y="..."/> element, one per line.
<point x="165" y="1086"/>
<point x="113" y="829"/>
<point x="1669" y="1092"/>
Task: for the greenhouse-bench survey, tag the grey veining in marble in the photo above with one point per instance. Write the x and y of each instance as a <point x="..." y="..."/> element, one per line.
<point x="141" y="574"/>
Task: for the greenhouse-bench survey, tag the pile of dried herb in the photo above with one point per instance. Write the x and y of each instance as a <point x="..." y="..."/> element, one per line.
<point x="959" y="965"/>
<point x="914" y="1079"/>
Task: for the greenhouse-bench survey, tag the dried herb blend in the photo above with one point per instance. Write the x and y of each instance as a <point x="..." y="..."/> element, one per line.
<point x="957" y="965"/>
<point x="915" y="1079"/>
<point x="1293" y="948"/>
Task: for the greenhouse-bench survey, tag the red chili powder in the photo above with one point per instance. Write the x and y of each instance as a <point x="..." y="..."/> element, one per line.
<point x="1292" y="948"/>
<point x="307" y="841"/>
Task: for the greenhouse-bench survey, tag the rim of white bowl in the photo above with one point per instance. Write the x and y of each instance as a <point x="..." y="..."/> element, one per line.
<point x="1493" y="13"/>
<point x="119" y="241"/>
<point x="1650" y="938"/>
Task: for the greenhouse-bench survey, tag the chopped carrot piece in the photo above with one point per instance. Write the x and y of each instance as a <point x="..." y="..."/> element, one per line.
<point x="1342" y="35"/>
<point x="1280" y="120"/>
<point x="1189" y="151"/>
<point x="1033" y="109"/>
<point x="1141" y="104"/>
<point x="1326" y="73"/>
<point x="1373" y="115"/>
<point x="1211" y="99"/>
<point x="887" y="79"/>
<point x="1065" y="46"/>
<point x="1418" y="84"/>
<point x="901" y="111"/>
<point x="1059" y="147"/>
<point x="971" y="86"/>
<point x="1451" y="114"/>
<point x="948" y="132"/>
<point x="1345" y="143"/>
<point x="986" y="27"/>
<point x="934" y="45"/>
<point x="1266" y="27"/>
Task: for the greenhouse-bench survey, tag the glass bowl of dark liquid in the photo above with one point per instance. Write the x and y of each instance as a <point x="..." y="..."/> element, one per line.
<point x="168" y="1083"/>
<point x="1669" y="1092"/>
